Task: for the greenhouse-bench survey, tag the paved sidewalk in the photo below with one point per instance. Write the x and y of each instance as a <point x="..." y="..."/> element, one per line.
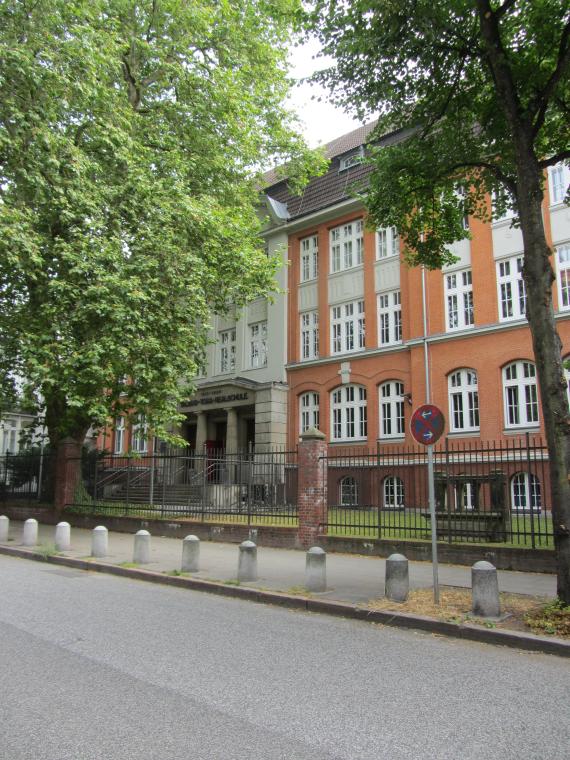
<point x="351" y="578"/>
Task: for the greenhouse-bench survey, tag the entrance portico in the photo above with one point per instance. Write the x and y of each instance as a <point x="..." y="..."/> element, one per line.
<point x="236" y="416"/>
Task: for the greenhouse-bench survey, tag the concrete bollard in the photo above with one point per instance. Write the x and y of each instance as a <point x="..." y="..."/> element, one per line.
<point x="485" y="590"/>
<point x="30" y="532"/>
<point x="63" y="537"/>
<point x="141" y="553"/>
<point x="190" y="554"/>
<point x="99" y="541"/>
<point x="247" y="562"/>
<point x="397" y="578"/>
<point x="4" y="529"/>
<point x="316" y="569"/>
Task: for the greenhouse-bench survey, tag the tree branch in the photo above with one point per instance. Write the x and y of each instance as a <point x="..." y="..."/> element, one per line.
<point x="504" y="8"/>
<point x="543" y="101"/>
<point x="556" y="159"/>
<point x="493" y="168"/>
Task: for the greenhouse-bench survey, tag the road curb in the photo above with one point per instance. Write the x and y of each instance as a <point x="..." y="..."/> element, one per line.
<point x="469" y="632"/>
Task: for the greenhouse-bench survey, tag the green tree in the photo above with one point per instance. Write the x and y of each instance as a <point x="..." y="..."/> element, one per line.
<point x="481" y="91"/>
<point x="131" y="138"/>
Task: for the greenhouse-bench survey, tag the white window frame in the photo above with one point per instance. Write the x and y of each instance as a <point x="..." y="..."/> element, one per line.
<point x="391" y="403"/>
<point x="464" y="495"/>
<point x="228" y="350"/>
<point x="309" y="415"/>
<point x="309" y="325"/>
<point x="352" y="159"/>
<point x="139" y="437"/>
<point x="258" y="345"/>
<point x="349" y="413"/>
<point x="309" y="258"/>
<point x="559" y="179"/>
<point x="389" y="318"/>
<point x="463" y="391"/>
<point x="10" y="431"/>
<point x="387" y="243"/>
<point x="347" y="246"/>
<point x="348" y="328"/>
<point x="120" y="429"/>
<point x="520" y="395"/>
<point x="459" y="308"/>
<point x="511" y="290"/>
<point x="563" y="275"/>
<point x="526" y="493"/>
<point x="393" y="492"/>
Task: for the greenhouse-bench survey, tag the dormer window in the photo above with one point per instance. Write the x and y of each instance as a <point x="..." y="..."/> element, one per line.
<point x="351" y="159"/>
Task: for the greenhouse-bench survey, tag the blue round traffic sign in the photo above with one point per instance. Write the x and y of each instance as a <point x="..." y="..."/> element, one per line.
<point x="427" y="424"/>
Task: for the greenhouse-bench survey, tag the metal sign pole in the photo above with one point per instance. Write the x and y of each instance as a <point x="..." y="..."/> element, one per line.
<point x="431" y="495"/>
<point x="431" y="485"/>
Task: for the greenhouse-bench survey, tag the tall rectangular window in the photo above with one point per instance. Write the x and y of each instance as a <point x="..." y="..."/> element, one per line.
<point x="309" y="258"/>
<point x="139" y="438"/>
<point x="227" y="345"/>
<point x="387" y="243"/>
<point x="459" y="300"/>
<point x="511" y="289"/>
<point x="347" y="245"/>
<point x="310" y="335"/>
<point x="258" y="345"/>
<point x="119" y="435"/>
<point x="389" y="318"/>
<point x="559" y="178"/>
<point x="563" y="271"/>
<point x="347" y="327"/>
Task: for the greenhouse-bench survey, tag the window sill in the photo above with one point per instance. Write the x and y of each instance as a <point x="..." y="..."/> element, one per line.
<point x="340" y="272"/>
<point x="464" y="434"/>
<point x="521" y="431"/>
<point x="395" y="439"/>
<point x="348" y="442"/>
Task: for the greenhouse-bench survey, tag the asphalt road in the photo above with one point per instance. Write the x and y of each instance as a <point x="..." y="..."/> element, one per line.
<point x="93" y="666"/>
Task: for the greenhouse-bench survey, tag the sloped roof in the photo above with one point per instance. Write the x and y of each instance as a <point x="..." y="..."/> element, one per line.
<point x="335" y="147"/>
<point x="333" y="187"/>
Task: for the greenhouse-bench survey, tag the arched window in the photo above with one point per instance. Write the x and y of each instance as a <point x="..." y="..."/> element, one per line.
<point x="392" y="409"/>
<point x="309" y="411"/>
<point x="348" y="492"/>
<point x="520" y="395"/>
<point x="393" y="493"/>
<point x="348" y="413"/>
<point x="463" y="400"/>
<point x="525" y="493"/>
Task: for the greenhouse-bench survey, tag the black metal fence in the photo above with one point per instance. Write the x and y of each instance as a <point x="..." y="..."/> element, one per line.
<point x="27" y="479"/>
<point x="254" y="487"/>
<point x="487" y="493"/>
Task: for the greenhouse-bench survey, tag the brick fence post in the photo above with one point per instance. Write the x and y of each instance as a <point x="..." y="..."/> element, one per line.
<point x="67" y="471"/>
<point x="312" y="487"/>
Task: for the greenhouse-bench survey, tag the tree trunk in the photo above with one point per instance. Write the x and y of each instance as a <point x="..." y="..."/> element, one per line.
<point x="539" y="276"/>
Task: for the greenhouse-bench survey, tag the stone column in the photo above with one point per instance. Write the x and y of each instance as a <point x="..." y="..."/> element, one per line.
<point x="201" y="438"/>
<point x="201" y="431"/>
<point x="312" y="498"/>
<point x="231" y="430"/>
<point x="67" y="472"/>
<point x="231" y="445"/>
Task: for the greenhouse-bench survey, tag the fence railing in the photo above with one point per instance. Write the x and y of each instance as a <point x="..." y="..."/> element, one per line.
<point x="485" y="492"/>
<point x="253" y="487"/>
<point x="27" y="479"/>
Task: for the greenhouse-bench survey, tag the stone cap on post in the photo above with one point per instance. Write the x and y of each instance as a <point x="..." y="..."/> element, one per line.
<point x="312" y="434"/>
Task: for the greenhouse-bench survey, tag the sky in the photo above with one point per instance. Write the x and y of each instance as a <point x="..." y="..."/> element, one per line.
<point x="321" y="122"/>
